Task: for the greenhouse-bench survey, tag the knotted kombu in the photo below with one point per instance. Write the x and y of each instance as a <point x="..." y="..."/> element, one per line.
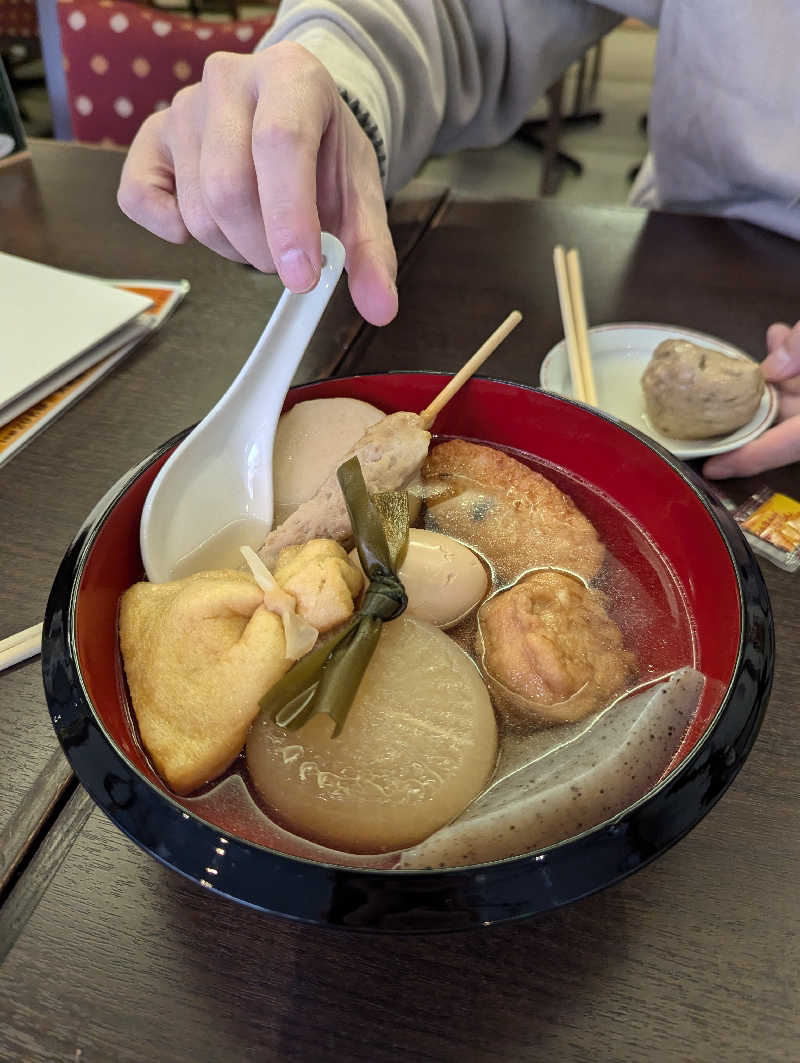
<point x="327" y="679"/>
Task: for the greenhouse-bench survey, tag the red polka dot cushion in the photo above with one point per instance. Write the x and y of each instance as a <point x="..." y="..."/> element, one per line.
<point x="124" y="61"/>
<point x="18" y="20"/>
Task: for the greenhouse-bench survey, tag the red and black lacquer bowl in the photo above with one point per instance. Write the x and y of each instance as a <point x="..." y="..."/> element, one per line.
<point x="707" y="556"/>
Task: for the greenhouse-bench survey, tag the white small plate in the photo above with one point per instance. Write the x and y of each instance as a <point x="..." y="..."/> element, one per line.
<point x="620" y="354"/>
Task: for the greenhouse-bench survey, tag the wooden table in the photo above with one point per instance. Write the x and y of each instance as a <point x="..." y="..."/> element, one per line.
<point x="112" y="957"/>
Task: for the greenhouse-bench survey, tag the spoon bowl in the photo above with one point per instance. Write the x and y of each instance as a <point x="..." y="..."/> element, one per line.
<point x="215" y="493"/>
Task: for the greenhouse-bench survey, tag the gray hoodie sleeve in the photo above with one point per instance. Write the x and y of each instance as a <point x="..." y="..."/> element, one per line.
<point x="438" y="75"/>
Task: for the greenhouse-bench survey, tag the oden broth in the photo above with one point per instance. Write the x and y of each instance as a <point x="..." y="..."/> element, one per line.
<point x="645" y="600"/>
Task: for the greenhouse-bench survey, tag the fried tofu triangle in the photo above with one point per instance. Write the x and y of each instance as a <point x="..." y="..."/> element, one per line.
<point x="198" y="654"/>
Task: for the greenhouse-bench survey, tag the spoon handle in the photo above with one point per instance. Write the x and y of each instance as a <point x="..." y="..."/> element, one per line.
<point x="268" y="372"/>
<point x="220" y="476"/>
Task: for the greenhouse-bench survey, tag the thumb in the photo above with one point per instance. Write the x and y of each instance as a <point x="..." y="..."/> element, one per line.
<point x="783" y="360"/>
<point x="779" y="446"/>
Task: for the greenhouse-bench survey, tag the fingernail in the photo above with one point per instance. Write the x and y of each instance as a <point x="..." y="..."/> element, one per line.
<point x="296" y="270"/>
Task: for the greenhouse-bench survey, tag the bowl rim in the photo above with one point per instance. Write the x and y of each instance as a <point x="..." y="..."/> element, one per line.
<point x="438" y="899"/>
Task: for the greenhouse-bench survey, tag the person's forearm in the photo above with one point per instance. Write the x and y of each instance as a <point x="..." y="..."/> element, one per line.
<point x="438" y="75"/>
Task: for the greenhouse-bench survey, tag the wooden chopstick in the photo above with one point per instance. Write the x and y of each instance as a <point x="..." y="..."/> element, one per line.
<point x="21" y="646"/>
<point x="575" y="278"/>
<point x="573" y="316"/>
<point x="431" y="411"/>
<point x="568" y="321"/>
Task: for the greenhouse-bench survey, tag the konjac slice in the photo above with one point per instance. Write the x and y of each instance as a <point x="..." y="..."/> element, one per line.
<point x="420" y="743"/>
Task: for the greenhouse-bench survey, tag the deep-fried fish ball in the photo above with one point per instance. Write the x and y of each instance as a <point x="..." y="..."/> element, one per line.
<point x="693" y="392"/>
<point x="550" y="642"/>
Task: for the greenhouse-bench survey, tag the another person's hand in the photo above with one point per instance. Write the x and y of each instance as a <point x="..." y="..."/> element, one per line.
<point x="779" y="445"/>
<point x="256" y="159"/>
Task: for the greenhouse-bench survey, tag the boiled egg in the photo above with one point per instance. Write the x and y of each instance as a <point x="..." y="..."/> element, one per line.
<point x="443" y="579"/>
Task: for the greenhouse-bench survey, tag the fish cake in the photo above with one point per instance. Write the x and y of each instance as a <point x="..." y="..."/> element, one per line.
<point x="310" y="441"/>
<point x="390" y="453"/>
<point x="512" y="514"/>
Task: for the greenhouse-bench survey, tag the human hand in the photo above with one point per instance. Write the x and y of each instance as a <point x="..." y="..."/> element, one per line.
<point x="257" y="158"/>
<point x="779" y="445"/>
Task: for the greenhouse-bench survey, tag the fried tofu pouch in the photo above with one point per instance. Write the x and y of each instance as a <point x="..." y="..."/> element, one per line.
<point x="199" y="653"/>
<point x="322" y="579"/>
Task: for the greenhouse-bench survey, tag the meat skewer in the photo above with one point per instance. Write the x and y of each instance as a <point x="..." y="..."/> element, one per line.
<point x="390" y="452"/>
<point x="433" y="409"/>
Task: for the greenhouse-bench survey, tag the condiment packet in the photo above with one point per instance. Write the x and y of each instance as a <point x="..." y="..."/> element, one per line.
<point x="771" y="524"/>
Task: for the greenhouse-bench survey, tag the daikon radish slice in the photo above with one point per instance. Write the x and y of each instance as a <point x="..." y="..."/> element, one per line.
<point x="420" y="743"/>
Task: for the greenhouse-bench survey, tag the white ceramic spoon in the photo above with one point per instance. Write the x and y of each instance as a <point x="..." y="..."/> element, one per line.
<point x="214" y="494"/>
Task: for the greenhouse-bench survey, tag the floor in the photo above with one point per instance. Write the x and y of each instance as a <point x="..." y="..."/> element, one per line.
<point x="608" y="151"/>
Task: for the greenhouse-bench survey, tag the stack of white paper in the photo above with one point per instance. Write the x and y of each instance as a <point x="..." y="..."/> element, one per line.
<point x="53" y="326"/>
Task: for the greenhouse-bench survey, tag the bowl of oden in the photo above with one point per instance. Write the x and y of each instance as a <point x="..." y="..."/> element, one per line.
<point x="474" y="672"/>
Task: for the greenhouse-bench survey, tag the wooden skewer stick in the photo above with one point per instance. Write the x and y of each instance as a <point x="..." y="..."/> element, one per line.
<point x="21" y="646"/>
<point x="430" y="413"/>
<point x="581" y="333"/>
<point x="568" y="321"/>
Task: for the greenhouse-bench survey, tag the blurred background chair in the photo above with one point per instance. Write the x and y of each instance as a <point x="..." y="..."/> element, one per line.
<point x="19" y="43"/>
<point x="111" y="63"/>
<point x="198" y="7"/>
<point x="19" y="27"/>
<point x="544" y="134"/>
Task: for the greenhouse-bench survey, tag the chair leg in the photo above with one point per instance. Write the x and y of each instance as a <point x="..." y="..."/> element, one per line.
<point x="597" y="60"/>
<point x="551" y="176"/>
<point x="579" y="116"/>
<point x="544" y="135"/>
<point x="580" y="86"/>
